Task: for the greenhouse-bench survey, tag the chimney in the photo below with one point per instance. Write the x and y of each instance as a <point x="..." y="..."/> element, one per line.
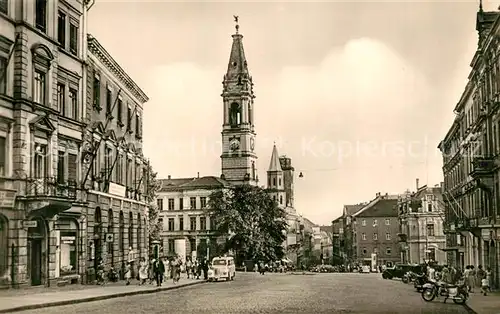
<point x="198" y="174"/>
<point x="417" y="183"/>
<point x="377" y="194"/>
<point x="169" y="177"/>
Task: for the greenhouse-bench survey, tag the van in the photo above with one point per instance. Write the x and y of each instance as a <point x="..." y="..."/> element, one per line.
<point x="222" y="268"/>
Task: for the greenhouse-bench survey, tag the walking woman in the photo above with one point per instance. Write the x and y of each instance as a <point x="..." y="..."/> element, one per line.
<point x="128" y="273"/>
<point x="471" y="278"/>
<point x="143" y="271"/>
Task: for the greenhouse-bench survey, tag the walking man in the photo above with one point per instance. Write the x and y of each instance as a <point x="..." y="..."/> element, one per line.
<point x="159" y="271"/>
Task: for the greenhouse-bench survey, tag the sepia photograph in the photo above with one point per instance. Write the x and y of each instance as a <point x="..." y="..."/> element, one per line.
<point x="251" y="157"/>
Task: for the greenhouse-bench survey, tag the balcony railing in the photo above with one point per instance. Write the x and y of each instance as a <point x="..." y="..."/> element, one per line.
<point x="50" y="187"/>
<point x="482" y="166"/>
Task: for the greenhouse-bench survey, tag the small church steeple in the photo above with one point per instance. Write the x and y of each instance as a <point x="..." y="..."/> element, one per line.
<point x="274" y="165"/>
<point x="237" y="62"/>
<point x="275" y="179"/>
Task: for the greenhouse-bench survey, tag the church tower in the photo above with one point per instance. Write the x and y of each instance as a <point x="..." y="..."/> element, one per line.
<point x="276" y="179"/>
<point x="239" y="161"/>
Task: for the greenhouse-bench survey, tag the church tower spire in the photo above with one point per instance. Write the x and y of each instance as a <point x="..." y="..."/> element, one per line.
<point x="239" y="161"/>
<point x="275" y="179"/>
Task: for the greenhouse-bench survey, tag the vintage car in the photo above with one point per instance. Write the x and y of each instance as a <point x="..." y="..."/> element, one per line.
<point x="222" y="268"/>
<point x="399" y="270"/>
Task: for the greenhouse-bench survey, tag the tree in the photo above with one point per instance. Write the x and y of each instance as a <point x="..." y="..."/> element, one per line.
<point x="251" y="222"/>
<point x="212" y="248"/>
<point x="152" y="187"/>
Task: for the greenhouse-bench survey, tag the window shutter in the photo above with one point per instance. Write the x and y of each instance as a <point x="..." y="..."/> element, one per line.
<point x="72" y="167"/>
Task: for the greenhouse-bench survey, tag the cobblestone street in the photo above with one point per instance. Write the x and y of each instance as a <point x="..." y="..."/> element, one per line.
<point x="275" y="293"/>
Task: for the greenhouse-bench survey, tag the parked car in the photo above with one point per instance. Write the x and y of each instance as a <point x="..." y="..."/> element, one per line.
<point x="398" y="271"/>
<point x="365" y="269"/>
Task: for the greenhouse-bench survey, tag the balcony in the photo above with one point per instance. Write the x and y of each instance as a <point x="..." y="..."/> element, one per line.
<point x="449" y="227"/>
<point x="483" y="167"/>
<point x="402" y="237"/>
<point x="47" y="197"/>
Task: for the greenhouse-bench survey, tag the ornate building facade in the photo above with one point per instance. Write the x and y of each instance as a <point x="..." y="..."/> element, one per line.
<point x="471" y="158"/>
<point x="421" y="216"/>
<point x="48" y="128"/>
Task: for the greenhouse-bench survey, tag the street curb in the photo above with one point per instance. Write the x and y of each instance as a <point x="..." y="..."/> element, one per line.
<point x="469" y="309"/>
<point x="97" y="298"/>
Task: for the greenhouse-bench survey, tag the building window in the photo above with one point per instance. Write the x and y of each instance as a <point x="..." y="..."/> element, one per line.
<point x="72" y="167"/>
<point x="131" y="230"/>
<point x="41" y="15"/>
<point x="171" y="224"/>
<point x="40" y="161"/>
<point x="181" y="223"/>
<point x="61" y="29"/>
<point x="109" y="99"/>
<point x="160" y="224"/>
<point x="4" y="6"/>
<point x="341" y="230"/>
<point x="363" y="222"/>
<point x="388" y="236"/>
<point x="388" y="251"/>
<point x="431" y="254"/>
<point x="61" y="98"/>
<point x="3" y="155"/>
<point x="203" y="201"/>
<point x="121" y="233"/>
<point x="375" y="236"/>
<point x="281" y="199"/>
<point x="67" y="253"/>
<point x="159" y="202"/>
<point x="192" y="244"/>
<point x="120" y="112"/>
<point x="429" y="206"/>
<point x="430" y="230"/>
<point x="192" y="202"/>
<point x="108" y="162"/>
<point x="171" y="204"/>
<point x="363" y="236"/>
<point x="203" y="223"/>
<point x="39" y="87"/>
<point x="171" y="246"/>
<point x="274" y="182"/>
<point x="137" y="124"/>
<point x="375" y="222"/>
<point x="181" y="203"/>
<point x="139" y="233"/>
<point x="73" y="101"/>
<point x="364" y="251"/>
<point x="61" y="165"/>
<point x="279" y="182"/>
<point x="387" y="222"/>
<point x="3" y="75"/>
<point x="129" y="119"/>
<point x="73" y="38"/>
<point x="119" y="169"/>
<point x="192" y="223"/>
<point x="97" y="92"/>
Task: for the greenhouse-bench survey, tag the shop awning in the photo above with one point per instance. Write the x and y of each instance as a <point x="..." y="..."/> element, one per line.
<point x="51" y="208"/>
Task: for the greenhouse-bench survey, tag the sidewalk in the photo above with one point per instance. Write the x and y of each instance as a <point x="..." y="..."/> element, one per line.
<point x="20" y="300"/>
<point x="481" y="304"/>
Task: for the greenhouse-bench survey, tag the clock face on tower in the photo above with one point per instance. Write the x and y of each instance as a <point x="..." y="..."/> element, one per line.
<point x="252" y="144"/>
<point x="234" y="145"/>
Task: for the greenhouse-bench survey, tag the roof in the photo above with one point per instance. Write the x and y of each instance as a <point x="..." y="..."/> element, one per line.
<point x="274" y="164"/>
<point x="181" y="184"/>
<point x="96" y="49"/>
<point x="350" y="210"/>
<point x="327" y="229"/>
<point x="237" y="61"/>
<point x="424" y="190"/>
<point x="382" y="206"/>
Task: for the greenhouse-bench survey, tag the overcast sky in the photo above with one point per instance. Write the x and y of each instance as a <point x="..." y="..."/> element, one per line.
<point x="358" y="94"/>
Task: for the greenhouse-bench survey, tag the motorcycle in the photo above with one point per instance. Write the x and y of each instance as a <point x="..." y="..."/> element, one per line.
<point x="419" y="282"/>
<point x="409" y="277"/>
<point x="434" y="289"/>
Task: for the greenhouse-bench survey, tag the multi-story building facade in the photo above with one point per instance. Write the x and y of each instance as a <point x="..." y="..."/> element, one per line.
<point x="114" y="171"/>
<point x="374" y="231"/>
<point x="47" y="205"/>
<point x="421" y="216"/>
<point x="326" y="244"/>
<point x="184" y="219"/>
<point x="471" y="158"/>
<point x="42" y="97"/>
<point x="349" y="247"/>
<point x="338" y="245"/>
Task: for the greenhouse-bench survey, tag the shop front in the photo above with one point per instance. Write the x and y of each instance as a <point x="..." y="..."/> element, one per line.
<point x="68" y="249"/>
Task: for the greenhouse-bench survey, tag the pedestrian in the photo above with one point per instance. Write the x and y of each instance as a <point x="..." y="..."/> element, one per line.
<point x="472" y="278"/>
<point x="205" y="269"/>
<point x="159" y="271"/>
<point x="151" y="273"/>
<point x="480" y="275"/>
<point x="485" y="286"/>
<point x="489" y="277"/>
<point x="189" y="265"/>
<point x="128" y="273"/>
<point x="143" y="271"/>
<point x="196" y="269"/>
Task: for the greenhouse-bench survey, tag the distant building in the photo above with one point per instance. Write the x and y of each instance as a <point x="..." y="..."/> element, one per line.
<point x="326" y="244"/>
<point x="374" y="229"/>
<point x="338" y="241"/>
<point x="421" y="217"/>
<point x="182" y="213"/>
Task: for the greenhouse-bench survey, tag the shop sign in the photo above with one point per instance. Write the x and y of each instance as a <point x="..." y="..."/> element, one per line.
<point x="117" y="189"/>
<point x="68" y="239"/>
<point x="7" y="198"/>
<point x="30" y="223"/>
<point x="485" y="234"/>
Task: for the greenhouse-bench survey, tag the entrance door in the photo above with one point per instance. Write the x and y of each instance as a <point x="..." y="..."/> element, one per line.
<point x="36" y="262"/>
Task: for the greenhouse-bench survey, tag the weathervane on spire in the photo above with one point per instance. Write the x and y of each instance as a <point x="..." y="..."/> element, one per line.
<point x="236" y="19"/>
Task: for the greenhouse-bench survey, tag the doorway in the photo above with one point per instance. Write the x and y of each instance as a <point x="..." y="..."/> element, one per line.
<point x="36" y="261"/>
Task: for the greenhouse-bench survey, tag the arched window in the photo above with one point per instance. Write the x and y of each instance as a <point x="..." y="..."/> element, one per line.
<point x="139" y="240"/>
<point x="250" y="113"/>
<point x="4" y="246"/>
<point x="98" y="235"/>
<point x="121" y="233"/>
<point x="253" y="170"/>
<point x="130" y="230"/>
<point x="281" y="199"/>
<point x="235" y="114"/>
<point x="110" y="231"/>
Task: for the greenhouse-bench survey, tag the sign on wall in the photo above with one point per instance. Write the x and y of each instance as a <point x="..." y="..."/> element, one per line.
<point x="7" y="198"/>
<point x="117" y="189"/>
